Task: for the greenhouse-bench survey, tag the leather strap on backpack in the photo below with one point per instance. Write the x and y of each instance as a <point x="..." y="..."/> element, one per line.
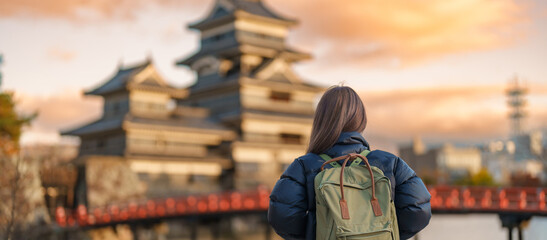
<point x="328" y="158"/>
<point x="343" y="204"/>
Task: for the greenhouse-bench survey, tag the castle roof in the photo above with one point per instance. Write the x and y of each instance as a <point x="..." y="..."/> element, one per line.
<point x="226" y="10"/>
<point x="142" y="76"/>
<point x="180" y="123"/>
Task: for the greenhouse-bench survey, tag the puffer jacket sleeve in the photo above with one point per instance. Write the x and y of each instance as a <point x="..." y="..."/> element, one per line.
<point x="411" y="200"/>
<point x="288" y="203"/>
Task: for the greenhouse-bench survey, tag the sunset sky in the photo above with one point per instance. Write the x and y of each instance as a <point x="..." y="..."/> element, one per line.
<point x="431" y="68"/>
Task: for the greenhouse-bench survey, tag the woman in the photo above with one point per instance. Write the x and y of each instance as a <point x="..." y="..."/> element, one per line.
<point x="339" y="119"/>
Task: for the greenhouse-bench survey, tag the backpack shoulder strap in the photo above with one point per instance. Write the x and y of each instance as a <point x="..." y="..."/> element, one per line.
<point x="358" y="161"/>
<point x="327" y="158"/>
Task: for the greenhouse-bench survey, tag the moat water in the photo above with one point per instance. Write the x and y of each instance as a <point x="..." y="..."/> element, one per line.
<point x="479" y="227"/>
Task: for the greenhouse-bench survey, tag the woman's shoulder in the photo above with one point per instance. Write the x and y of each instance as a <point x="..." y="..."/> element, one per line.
<point x="384" y="160"/>
<point x="309" y="162"/>
<point x="311" y="158"/>
<point x="307" y="157"/>
<point x="382" y="154"/>
<point x="374" y="153"/>
<point x="390" y="162"/>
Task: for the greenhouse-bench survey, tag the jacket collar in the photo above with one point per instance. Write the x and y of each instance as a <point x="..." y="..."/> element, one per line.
<point x="348" y="142"/>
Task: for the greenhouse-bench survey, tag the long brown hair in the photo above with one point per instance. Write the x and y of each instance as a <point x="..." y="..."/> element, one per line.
<point x="339" y="110"/>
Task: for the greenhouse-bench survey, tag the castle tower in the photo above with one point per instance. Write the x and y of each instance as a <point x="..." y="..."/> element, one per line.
<point x="245" y="79"/>
<point x="145" y="144"/>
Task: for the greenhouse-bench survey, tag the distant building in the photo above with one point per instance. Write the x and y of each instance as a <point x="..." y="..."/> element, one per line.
<point x="523" y="154"/>
<point x="498" y="158"/>
<point x="442" y="164"/>
<point x="419" y="158"/>
<point x="459" y="161"/>
<point x="502" y="159"/>
<point x="528" y="145"/>
<point x="247" y="116"/>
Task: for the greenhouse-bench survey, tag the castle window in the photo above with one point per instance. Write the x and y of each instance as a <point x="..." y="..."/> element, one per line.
<point x="100" y="143"/>
<point x="248" y="167"/>
<point x="280" y="96"/>
<point x="291" y="138"/>
<point x="116" y="108"/>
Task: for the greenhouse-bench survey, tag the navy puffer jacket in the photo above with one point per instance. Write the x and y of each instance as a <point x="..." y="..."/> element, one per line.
<point x="292" y="201"/>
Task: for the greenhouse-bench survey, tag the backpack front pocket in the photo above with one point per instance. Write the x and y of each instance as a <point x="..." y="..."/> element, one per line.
<point x="378" y="235"/>
<point x="360" y="210"/>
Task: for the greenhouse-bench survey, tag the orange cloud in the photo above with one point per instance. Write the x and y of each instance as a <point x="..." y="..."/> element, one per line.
<point x="79" y="10"/>
<point x="399" y="33"/>
<point x="470" y="114"/>
<point x="369" y="33"/>
<point x="61" y="54"/>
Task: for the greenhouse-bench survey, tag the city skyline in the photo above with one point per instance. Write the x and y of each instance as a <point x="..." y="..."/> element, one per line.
<point x="71" y="48"/>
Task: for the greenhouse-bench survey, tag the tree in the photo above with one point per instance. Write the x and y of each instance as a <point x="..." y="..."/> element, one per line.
<point x="481" y="178"/>
<point x="14" y="206"/>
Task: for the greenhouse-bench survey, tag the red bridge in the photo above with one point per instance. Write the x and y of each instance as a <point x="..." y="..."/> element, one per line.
<point x="518" y="203"/>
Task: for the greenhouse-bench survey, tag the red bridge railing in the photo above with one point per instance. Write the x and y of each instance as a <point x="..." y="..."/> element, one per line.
<point x="444" y="199"/>
<point x="215" y="203"/>
<point x="488" y="199"/>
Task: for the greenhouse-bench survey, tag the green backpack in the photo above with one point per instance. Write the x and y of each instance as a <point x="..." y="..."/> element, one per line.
<point x="354" y="202"/>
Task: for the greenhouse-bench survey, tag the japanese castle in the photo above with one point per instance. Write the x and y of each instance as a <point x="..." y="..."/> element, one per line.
<point x="246" y="117"/>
